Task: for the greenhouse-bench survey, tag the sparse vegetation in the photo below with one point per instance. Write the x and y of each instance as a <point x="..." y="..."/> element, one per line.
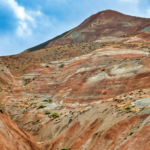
<point x="27" y="81"/>
<point x="61" y="66"/>
<point x="128" y="107"/>
<point x="132" y="132"/>
<point x="47" y="112"/>
<point x="55" y="115"/>
<point x="40" y="107"/>
<point x="45" y="100"/>
<point x="32" y="104"/>
<point x="65" y="149"/>
<point x="103" y="69"/>
<point x="1" y="111"/>
<point x="38" y="120"/>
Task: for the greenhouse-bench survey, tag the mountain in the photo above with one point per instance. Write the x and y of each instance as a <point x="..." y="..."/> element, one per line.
<point x="105" y="25"/>
<point x="87" y="89"/>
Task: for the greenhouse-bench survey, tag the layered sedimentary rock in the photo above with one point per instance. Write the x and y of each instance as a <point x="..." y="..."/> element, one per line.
<point x="87" y="89"/>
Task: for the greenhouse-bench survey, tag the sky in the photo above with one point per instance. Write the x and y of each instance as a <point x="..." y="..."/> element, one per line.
<point x="24" y="24"/>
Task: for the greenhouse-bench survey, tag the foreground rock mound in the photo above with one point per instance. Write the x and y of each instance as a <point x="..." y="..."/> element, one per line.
<point x="13" y="138"/>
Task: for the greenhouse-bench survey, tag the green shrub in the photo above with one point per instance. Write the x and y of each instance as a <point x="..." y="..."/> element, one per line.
<point x="103" y="69"/>
<point x="61" y="66"/>
<point x="40" y="107"/>
<point x="45" y="100"/>
<point x="129" y="107"/>
<point x="47" y="112"/>
<point x="38" y="120"/>
<point x="32" y="104"/>
<point x="48" y="101"/>
<point x="55" y="115"/>
<point x="132" y="132"/>
<point x="65" y="149"/>
<point x="1" y="111"/>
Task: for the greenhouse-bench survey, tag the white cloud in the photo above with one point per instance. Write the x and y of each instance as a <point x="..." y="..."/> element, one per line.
<point x="26" y="18"/>
<point x="19" y="10"/>
<point x="23" y="29"/>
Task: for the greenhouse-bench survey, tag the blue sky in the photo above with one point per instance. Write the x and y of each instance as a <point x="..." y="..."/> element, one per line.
<point x="24" y="23"/>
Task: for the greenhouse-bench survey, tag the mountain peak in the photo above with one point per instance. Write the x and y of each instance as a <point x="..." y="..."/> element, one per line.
<point x="110" y="13"/>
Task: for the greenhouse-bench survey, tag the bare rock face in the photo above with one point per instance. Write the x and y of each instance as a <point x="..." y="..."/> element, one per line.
<point x="95" y="136"/>
<point x="87" y="89"/>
